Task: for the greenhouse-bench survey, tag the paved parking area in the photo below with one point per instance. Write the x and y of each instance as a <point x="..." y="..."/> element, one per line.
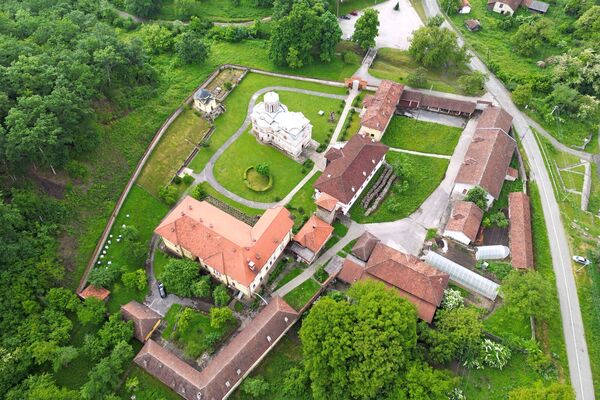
<point x="395" y="27"/>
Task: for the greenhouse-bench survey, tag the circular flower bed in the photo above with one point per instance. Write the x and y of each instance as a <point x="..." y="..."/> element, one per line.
<point x="257" y="182"/>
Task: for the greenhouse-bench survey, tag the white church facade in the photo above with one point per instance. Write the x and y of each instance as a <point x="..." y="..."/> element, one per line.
<point x="273" y="124"/>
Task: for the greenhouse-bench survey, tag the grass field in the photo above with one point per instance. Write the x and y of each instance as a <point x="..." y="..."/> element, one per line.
<point x="237" y="102"/>
<point x="294" y="272"/>
<point x="245" y="152"/>
<point x="428" y="137"/>
<point x="310" y="107"/>
<point x="172" y="150"/>
<point x="501" y="323"/>
<point x="215" y="10"/>
<point x="194" y="339"/>
<point x="298" y="297"/>
<point x="396" y="65"/>
<point x="427" y="174"/>
<point x="303" y="200"/>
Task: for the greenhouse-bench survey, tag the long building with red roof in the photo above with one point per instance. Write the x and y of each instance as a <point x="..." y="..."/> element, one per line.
<point x="237" y="254"/>
<point x="379" y="109"/>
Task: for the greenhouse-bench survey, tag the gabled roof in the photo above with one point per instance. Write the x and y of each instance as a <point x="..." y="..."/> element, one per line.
<point x="447" y="103"/>
<point x="224" y="242"/>
<point x="495" y="118"/>
<point x="521" y="242"/>
<point x="364" y="246"/>
<point x="345" y="175"/>
<point x="203" y="95"/>
<point x="314" y="234"/>
<point x="97" y="292"/>
<point x="144" y="319"/>
<point x="350" y="272"/>
<point x="539" y="6"/>
<point x="381" y="107"/>
<point x="244" y="350"/>
<point x="466" y="218"/>
<point x="333" y="154"/>
<point x="326" y="202"/>
<point x="170" y="370"/>
<point x="513" y="4"/>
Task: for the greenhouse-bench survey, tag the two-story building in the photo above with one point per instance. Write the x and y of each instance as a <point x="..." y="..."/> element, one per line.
<point x="235" y="253"/>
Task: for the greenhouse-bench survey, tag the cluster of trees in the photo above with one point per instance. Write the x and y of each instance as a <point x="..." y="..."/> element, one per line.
<point x="55" y="59"/>
<point x="433" y="46"/>
<point x="302" y="30"/>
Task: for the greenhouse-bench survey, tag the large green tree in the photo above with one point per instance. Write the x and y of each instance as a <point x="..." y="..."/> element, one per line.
<point x="436" y="47"/>
<point x="357" y="349"/>
<point x="366" y="29"/>
<point x="528" y="293"/>
<point x="192" y="48"/>
<point x="179" y="276"/>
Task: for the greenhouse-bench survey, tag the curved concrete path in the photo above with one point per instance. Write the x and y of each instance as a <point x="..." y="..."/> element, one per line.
<point x="207" y="174"/>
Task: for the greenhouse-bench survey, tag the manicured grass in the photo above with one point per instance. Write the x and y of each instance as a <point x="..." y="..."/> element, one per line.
<point x="237" y="104"/>
<point x="494" y="384"/>
<point x="294" y="272"/>
<point x="160" y="260"/>
<point x="149" y="388"/>
<point x="427" y="137"/>
<point x="427" y="173"/>
<point x="257" y="182"/>
<point x="507" y="326"/>
<point x="396" y="65"/>
<point x="193" y="340"/>
<point x="298" y="297"/>
<point x="245" y="209"/>
<point x="350" y="5"/>
<point x="340" y="229"/>
<point x="245" y="151"/>
<point x="172" y="150"/>
<point x="303" y="199"/>
<point x="351" y="126"/>
<point x="310" y="106"/>
<point x="286" y="355"/>
<point x="216" y="10"/>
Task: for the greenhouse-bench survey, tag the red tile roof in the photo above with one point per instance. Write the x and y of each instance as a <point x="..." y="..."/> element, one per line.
<point x="466" y="218"/>
<point x="495" y="118"/>
<point x="314" y="234"/>
<point x="144" y="319"/>
<point x="99" y="293"/>
<point x="415" y="280"/>
<point x="364" y="246"/>
<point x="326" y="202"/>
<point x="489" y="154"/>
<point x="247" y="348"/>
<point x="445" y="103"/>
<point x="381" y="107"/>
<point x="359" y="158"/>
<point x="170" y="370"/>
<point x="224" y="242"/>
<point x="521" y="242"/>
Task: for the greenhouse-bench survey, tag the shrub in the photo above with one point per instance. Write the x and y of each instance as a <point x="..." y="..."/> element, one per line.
<point x="136" y="279"/>
<point x="220" y="296"/>
<point x="452" y="299"/>
<point x="255" y="387"/>
<point x="397" y="7"/>
<point x="76" y="170"/>
<point x="202" y="287"/>
<point x="104" y="276"/>
<point x="199" y="193"/>
<point x="228" y="86"/>
<point x="418" y="78"/>
<point x="130" y="234"/>
<point x="321" y="275"/>
<point x="210" y="339"/>
<point x="168" y="194"/>
<point x="220" y="316"/>
<point x="177" y="276"/>
<point x="176" y="179"/>
<point x="188" y="179"/>
<point x="478" y="196"/>
<point x="136" y="253"/>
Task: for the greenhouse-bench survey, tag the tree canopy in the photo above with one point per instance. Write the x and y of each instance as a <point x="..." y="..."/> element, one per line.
<point x="366" y="29"/>
<point x="436" y="47"/>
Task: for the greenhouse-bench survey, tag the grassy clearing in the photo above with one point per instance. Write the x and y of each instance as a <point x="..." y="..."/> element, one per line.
<point x="310" y="106"/>
<point x="426" y="176"/>
<point x="396" y="65"/>
<point x="245" y="152"/>
<point x="505" y="325"/>
<point x="199" y="336"/>
<point x="294" y="272"/>
<point x="286" y="355"/>
<point x="428" y="137"/>
<point x="237" y="104"/>
<point x="172" y="150"/>
<point x="298" y="297"/>
<point x="216" y="10"/>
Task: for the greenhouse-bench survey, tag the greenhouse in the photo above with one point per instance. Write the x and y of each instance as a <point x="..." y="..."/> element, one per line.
<point x="497" y="252"/>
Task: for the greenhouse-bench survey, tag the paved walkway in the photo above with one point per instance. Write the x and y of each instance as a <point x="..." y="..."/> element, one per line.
<point x="576" y="345"/>
<point x="418" y="153"/>
<point x="207" y="174"/>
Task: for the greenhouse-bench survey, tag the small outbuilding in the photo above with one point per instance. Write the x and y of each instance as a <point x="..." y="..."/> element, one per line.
<point x="145" y="321"/>
<point x="465" y="7"/>
<point x="97" y="292"/>
<point x="205" y="102"/>
<point x="309" y="241"/>
<point x="464" y="222"/>
<point x="473" y="25"/>
<point x="364" y="246"/>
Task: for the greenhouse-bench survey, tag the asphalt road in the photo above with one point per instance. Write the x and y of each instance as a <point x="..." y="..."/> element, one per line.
<point x="577" y="353"/>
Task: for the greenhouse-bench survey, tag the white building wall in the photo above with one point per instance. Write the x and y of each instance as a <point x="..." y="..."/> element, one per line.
<point x="503" y="8"/>
<point x="458" y="236"/>
<point x="346" y="207"/>
<point x="461" y="189"/>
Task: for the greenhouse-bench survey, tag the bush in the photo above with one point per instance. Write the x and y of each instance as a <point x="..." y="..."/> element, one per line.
<point x="228" y="86"/>
<point x="221" y="296"/>
<point x="491" y="354"/>
<point x="263" y="169"/>
<point x="168" y="194"/>
<point x="478" y="196"/>
<point x="418" y="78"/>
<point x="199" y="193"/>
<point x="104" y="276"/>
<point x="220" y="316"/>
<point x="130" y="234"/>
<point x="177" y="276"/>
<point x="255" y="387"/>
<point x="136" y="279"/>
<point x="188" y="179"/>
<point x="202" y="287"/>
<point x="176" y="179"/>
<point x="350" y="57"/>
<point x="452" y="299"/>
<point x="76" y="170"/>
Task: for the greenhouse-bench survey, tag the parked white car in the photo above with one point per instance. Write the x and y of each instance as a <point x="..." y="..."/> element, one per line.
<point x="581" y="260"/>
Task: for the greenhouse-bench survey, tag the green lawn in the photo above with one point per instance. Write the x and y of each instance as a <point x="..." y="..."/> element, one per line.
<point x="303" y="200"/>
<point x="215" y="10"/>
<point x="294" y="272"/>
<point x="237" y="104"/>
<point x="286" y="355"/>
<point x="428" y="137"/>
<point x="174" y="147"/>
<point x="351" y="126"/>
<point x="149" y="388"/>
<point x="160" y="260"/>
<point x="298" y="297"/>
<point x="501" y="323"/>
<point x="427" y="173"/>
<point x="351" y="5"/>
<point x="310" y="106"/>
<point x="396" y="65"/>
<point x="217" y="195"/>
<point x="194" y="340"/>
<point x="245" y="152"/>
